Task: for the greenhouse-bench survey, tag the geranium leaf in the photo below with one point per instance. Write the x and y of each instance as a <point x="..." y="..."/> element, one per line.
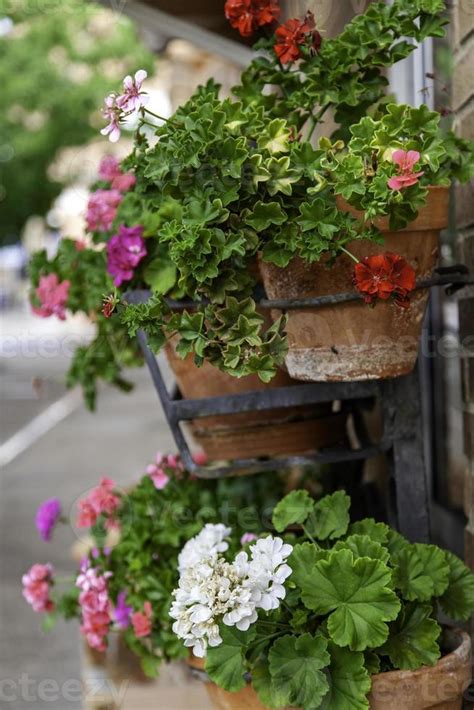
<point x="358" y="596"/>
<point x="225" y="663"/>
<point x="265" y="214"/>
<point x="421" y="572"/>
<point x="458" y="599"/>
<point x="295" y="668"/>
<point x="413" y="640"/>
<point x="363" y="546"/>
<point x="302" y="561"/>
<point x="330" y="517"/>
<point x="368" y="526"/>
<point x="265" y="689"/>
<point x="349" y="681"/>
<point x="293" y="508"/>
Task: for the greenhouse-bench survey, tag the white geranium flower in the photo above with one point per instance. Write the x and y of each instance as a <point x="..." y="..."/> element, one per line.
<point x="208" y="543"/>
<point x="212" y="590"/>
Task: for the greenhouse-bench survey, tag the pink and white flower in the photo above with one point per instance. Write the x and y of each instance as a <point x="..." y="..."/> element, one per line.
<point x="133" y="98"/>
<point x="96" y="607"/>
<point x="406" y="161"/>
<point x="36" y="587"/>
<point x="101" y="209"/>
<point x="112" y="112"/>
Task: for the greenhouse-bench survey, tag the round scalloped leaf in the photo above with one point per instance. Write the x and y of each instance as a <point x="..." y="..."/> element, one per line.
<point x="263" y="686"/>
<point x="295" y="668"/>
<point x="376" y="531"/>
<point x="363" y="546"/>
<point x="302" y="561"/>
<point x="330" y="517"/>
<point x="225" y="663"/>
<point x="293" y="508"/>
<point x="357" y="595"/>
<point x="458" y="600"/>
<point x="421" y="572"/>
<point x="349" y="681"/>
<point x="413" y="640"/>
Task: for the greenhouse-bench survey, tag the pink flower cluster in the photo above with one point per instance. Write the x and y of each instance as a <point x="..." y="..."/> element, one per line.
<point x="96" y="607"/>
<point x="406" y="162"/>
<point x="36" y="587"/>
<point x="101" y="500"/>
<point x="53" y="297"/>
<point x="157" y="470"/>
<point x="103" y="204"/>
<point x="125" y="250"/>
<point x="141" y="621"/>
<point x="116" y="107"/>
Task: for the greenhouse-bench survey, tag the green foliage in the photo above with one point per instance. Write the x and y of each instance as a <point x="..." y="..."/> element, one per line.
<point x="53" y="83"/>
<point x="422" y="572"/>
<point x="296" y="665"/>
<point x="458" y="599"/>
<point x="293" y="508"/>
<point x="413" y="640"/>
<point x="225" y="663"/>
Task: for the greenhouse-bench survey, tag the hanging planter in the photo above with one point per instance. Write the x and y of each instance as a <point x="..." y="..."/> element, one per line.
<point x="349" y="341"/>
<point x="277" y="432"/>
<point x="438" y="687"/>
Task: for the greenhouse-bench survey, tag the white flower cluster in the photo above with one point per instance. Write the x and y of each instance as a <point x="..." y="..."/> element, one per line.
<point x="213" y="590"/>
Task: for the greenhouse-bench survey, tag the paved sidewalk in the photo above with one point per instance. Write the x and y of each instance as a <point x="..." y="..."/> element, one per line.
<point x="117" y="441"/>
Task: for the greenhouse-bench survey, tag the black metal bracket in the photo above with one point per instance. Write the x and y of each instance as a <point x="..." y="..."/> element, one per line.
<point x="401" y="440"/>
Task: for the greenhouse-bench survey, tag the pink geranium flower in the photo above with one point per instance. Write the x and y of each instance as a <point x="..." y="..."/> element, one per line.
<point x="101" y="500"/>
<point x="101" y="209"/>
<point x="157" y="470"/>
<point x="109" y="170"/>
<point x="125" y="250"/>
<point x="141" y="621"/>
<point x="112" y="113"/>
<point x="406" y="162"/>
<point x="96" y="607"/>
<point x="36" y="587"/>
<point x="53" y="297"/>
<point x="246" y="538"/>
<point x="133" y="98"/>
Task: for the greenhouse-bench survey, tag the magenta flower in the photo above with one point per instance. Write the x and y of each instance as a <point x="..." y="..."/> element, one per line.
<point x="246" y="538"/>
<point x="122" y="611"/>
<point x="53" y="297"/>
<point x="47" y="516"/>
<point x="112" y="113"/>
<point x="109" y="170"/>
<point x="132" y="98"/>
<point x="101" y="209"/>
<point x="406" y="162"/>
<point x="36" y="587"/>
<point x="125" y="250"/>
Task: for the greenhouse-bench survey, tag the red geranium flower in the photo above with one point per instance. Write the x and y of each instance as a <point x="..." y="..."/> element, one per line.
<point x="385" y="276"/>
<point x="295" y="34"/>
<point x="248" y="15"/>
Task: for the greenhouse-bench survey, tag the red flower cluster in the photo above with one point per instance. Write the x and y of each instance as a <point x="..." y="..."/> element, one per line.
<point x="385" y="276"/>
<point x="248" y="15"/>
<point x="295" y="34"/>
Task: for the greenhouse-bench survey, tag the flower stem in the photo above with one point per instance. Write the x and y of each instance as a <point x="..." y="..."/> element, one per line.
<point x="156" y="115"/>
<point x="346" y="251"/>
<point x="309" y="536"/>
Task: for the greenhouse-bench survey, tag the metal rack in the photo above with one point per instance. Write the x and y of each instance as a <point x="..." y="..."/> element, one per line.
<point x="401" y="440"/>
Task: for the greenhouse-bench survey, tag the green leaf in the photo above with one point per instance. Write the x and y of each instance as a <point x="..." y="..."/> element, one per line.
<point x="358" y="596"/>
<point x="225" y="663"/>
<point x="276" y="137"/>
<point x="363" y="546"/>
<point x="413" y="639"/>
<point x="330" y="517"/>
<point x="160" y="275"/>
<point x="421" y="572"/>
<point x="295" y="668"/>
<point x="293" y="508"/>
<point x="302" y="561"/>
<point x="376" y="531"/>
<point x="458" y="600"/>
<point x="263" y="686"/>
<point x="265" y="214"/>
<point x="349" y="681"/>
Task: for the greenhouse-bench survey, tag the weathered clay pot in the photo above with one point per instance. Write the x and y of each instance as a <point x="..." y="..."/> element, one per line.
<point x="438" y="687"/>
<point x="350" y="341"/>
<point x="277" y="432"/>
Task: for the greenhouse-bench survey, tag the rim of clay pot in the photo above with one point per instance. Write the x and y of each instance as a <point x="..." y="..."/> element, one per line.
<point x="459" y="642"/>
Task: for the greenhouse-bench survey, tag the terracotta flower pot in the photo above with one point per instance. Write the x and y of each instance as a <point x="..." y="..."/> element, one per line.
<point x="350" y="341"/>
<point x="275" y="432"/>
<point x="438" y="687"/>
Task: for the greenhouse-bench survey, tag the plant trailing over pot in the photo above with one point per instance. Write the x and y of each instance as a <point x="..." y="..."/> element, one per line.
<point x="223" y="181"/>
<point x="125" y="581"/>
<point x="313" y="615"/>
